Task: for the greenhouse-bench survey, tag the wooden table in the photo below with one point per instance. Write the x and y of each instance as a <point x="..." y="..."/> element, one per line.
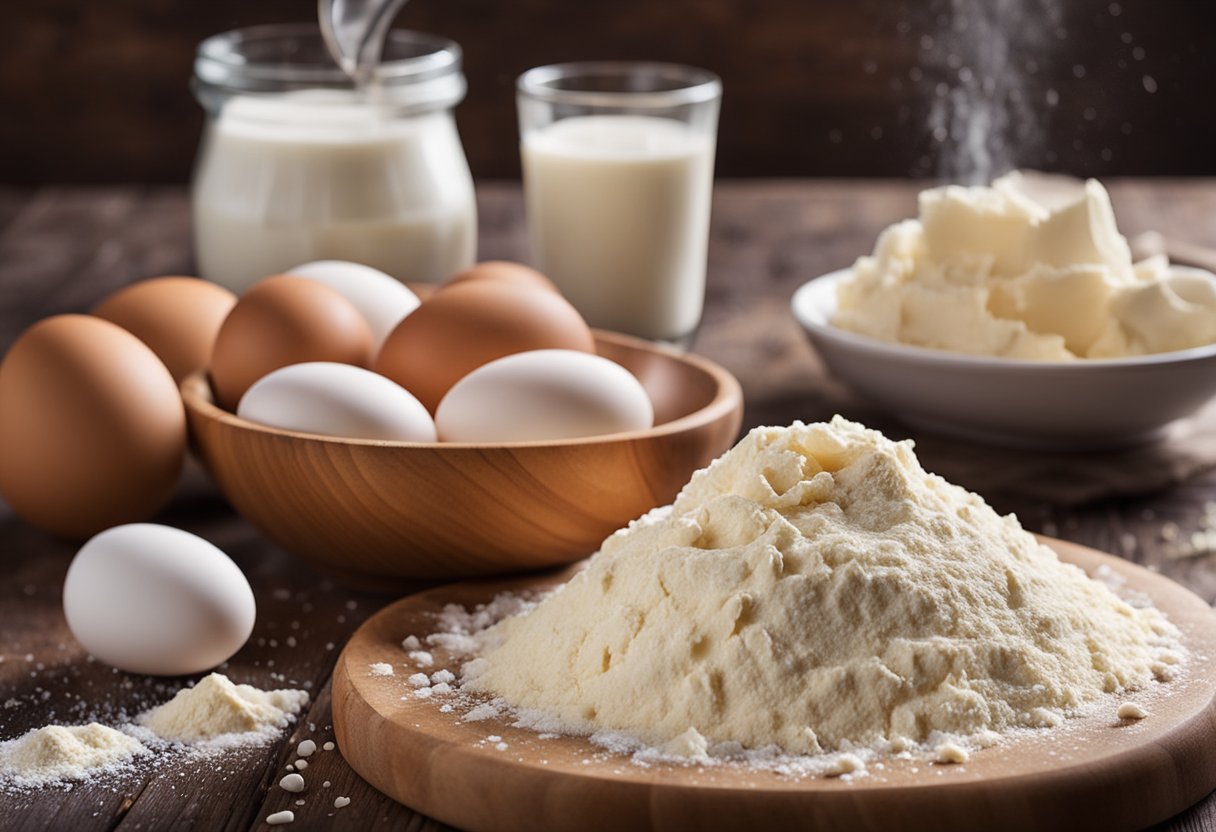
<point x="62" y="249"/>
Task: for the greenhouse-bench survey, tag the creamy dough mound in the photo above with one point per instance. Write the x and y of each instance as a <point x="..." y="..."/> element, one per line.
<point x="1028" y="268"/>
<point x="816" y="588"/>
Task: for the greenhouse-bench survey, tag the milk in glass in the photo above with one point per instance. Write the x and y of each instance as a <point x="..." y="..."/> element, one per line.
<point x="618" y="210"/>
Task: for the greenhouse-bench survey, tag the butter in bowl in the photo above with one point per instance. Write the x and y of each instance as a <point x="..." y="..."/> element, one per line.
<point x="1014" y="314"/>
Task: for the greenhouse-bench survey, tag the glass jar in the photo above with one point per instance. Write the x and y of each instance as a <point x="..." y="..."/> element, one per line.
<point x="296" y="165"/>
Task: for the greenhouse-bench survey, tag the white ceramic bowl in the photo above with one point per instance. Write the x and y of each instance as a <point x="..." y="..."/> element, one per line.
<point x="1082" y="405"/>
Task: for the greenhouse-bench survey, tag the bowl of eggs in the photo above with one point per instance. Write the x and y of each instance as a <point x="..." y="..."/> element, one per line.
<point x="480" y="429"/>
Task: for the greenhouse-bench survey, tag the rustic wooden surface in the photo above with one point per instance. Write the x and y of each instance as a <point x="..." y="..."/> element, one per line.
<point x="829" y="88"/>
<point x="63" y="249"/>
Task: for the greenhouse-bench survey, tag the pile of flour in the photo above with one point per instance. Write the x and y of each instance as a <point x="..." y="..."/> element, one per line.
<point x="816" y="590"/>
<point x="57" y="753"/>
<point x="211" y="716"/>
<point x="216" y="709"/>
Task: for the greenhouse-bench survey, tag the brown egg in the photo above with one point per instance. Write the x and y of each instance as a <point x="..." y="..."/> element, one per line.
<point x="285" y="320"/>
<point x="503" y="271"/>
<point x="92" y="428"/>
<point x="457" y="330"/>
<point x="178" y="317"/>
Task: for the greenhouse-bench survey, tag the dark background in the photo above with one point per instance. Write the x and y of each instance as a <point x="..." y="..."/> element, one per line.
<point x="97" y="91"/>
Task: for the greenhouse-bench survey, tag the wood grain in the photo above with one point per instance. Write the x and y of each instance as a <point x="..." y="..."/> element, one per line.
<point x="99" y="91"/>
<point x="1101" y="772"/>
<point x="62" y="249"/>
<point x="381" y="514"/>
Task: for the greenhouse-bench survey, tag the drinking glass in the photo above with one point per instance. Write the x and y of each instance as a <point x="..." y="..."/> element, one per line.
<point x="618" y="162"/>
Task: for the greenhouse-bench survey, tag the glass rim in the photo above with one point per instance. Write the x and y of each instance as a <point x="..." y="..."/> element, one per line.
<point x="219" y="59"/>
<point x="700" y="85"/>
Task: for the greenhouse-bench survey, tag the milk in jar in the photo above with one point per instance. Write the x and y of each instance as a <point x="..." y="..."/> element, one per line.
<point x="303" y="167"/>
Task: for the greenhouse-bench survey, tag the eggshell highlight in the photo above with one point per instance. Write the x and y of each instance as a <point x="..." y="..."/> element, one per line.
<point x="382" y="300"/>
<point x="153" y="599"/>
<point x="503" y="271"/>
<point x="280" y="321"/>
<point x="544" y="395"/>
<point x="457" y="330"/>
<point x="177" y="317"/>
<point x="92" y="427"/>
<point x="337" y="400"/>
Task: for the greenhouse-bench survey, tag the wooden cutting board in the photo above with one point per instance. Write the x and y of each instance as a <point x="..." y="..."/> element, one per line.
<point x="1095" y="772"/>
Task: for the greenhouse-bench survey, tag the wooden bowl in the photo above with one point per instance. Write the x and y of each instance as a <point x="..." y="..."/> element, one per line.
<point x="380" y="515"/>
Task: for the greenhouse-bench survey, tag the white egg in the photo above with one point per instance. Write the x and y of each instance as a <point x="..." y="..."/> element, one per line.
<point x="382" y="300"/>
<point x="153" y="599"/>
<point x="337" y="400"/>
<point x="543" y="394"/>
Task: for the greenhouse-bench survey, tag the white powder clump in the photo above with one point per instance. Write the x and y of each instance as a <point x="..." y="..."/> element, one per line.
<point x="216" y="709"/>
<point x="952" y="752"/>
<point x="843" y="764"/>
<point x="690" y="745"/>
<point x="812" y="566"/>
<point x="380" y="669"/>
<point x="1130" y="710"/>
<point x="57" y="753"/>
<point x="292" y="783"/>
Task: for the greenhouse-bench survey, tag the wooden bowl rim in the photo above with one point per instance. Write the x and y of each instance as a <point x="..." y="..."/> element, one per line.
<point x="196" y="395"/>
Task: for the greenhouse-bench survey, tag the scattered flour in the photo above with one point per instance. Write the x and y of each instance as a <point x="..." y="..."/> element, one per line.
<point x="57" y="753"/>
<point x="813" y="565"/>
<point x="484" y="711"/>
<point x="217" y="711"/>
